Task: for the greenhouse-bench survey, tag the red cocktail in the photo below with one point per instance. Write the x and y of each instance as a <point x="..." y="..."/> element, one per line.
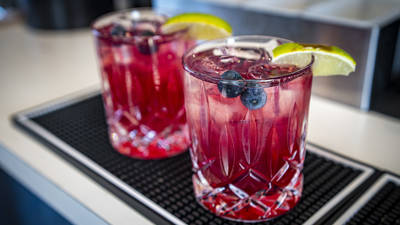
<point x="142" y="78"/>
<point x="248" y="120"/>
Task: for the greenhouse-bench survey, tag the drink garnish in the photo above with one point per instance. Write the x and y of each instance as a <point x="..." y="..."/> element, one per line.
<point x="147" y="33"/>
<point x="200" y="26"/>
<point x="228" y="87"/>
<point x="118" y="30"/>
<point x="254" y="96"/>
<point x="328" y="60"/>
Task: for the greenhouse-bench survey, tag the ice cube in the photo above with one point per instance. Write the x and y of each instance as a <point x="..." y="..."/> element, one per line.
<point x="240" y="53"/>
<point x="270" y="45"/>
<point x="219" y="51"/>
<point x="213" y="65"/>
<point x="142" y="27"/>
<point x="265" y="71"/>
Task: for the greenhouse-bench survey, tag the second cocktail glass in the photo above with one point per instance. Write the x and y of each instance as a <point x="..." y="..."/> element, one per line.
<point x="248" y="120"/>
<point x="142" y="79"/>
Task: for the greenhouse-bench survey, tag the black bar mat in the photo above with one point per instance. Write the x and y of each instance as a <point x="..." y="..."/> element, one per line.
<point x="162" y="189"/>
<point x="380" y="205"/>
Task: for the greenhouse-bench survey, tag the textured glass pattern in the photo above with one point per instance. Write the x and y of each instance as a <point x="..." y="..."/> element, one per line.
<point x="247" y="156"/>
<point x="142" y="80"/>
<point x="248" y="163"/>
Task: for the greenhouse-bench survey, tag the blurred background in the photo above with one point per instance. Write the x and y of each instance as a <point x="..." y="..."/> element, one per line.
<point x="367" y="29"/>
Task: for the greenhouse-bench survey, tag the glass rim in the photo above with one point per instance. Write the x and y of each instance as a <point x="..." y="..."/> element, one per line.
<point x="224" y="42"/>
<point x="141" y="10"/>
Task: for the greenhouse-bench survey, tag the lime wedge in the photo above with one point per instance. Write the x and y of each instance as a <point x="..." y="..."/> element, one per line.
<point x="201" y="26"/>
<point x="328" y="60"/>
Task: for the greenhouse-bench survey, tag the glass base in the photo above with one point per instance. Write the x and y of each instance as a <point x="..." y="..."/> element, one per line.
<point x="151" y="145"/>
<point x="232" y="203"/>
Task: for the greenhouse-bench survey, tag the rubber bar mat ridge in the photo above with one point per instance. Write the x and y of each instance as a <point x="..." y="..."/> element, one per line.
<point x="380" y="205"/>
<point x="167" y="182"/>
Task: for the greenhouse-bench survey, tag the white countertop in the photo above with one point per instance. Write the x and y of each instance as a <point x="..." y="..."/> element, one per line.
<point x="36" y="67"/>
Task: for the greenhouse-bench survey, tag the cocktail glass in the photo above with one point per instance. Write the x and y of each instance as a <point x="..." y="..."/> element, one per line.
<point x="248" y="134"/>
<point x="142" y="82"/>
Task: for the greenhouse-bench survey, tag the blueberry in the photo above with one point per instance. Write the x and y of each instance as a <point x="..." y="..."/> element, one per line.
<point x="118" y="30"/>
<point x="145" y="45"/>
<point x="145" y="48"/>
<point x="229" y="85"/>
<point x="147" y="33"/>
<point x="231" y="75"/>
<point x="253" y="97"/>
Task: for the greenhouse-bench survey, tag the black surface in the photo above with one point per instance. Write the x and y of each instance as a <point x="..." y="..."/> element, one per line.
<point x="60" y="14"/>
<point x="383" y="208"/>
<point x="168" y="182"/>
<point x="385" y="94"/>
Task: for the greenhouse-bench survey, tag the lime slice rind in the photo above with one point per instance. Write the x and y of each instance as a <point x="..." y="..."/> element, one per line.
<point x="328" y="60"/>
<point x="200" y="26"/>
<point x="201" y="18"/>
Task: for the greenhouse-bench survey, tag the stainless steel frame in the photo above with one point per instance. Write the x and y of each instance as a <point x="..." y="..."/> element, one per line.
<point x="366" y="197"/>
